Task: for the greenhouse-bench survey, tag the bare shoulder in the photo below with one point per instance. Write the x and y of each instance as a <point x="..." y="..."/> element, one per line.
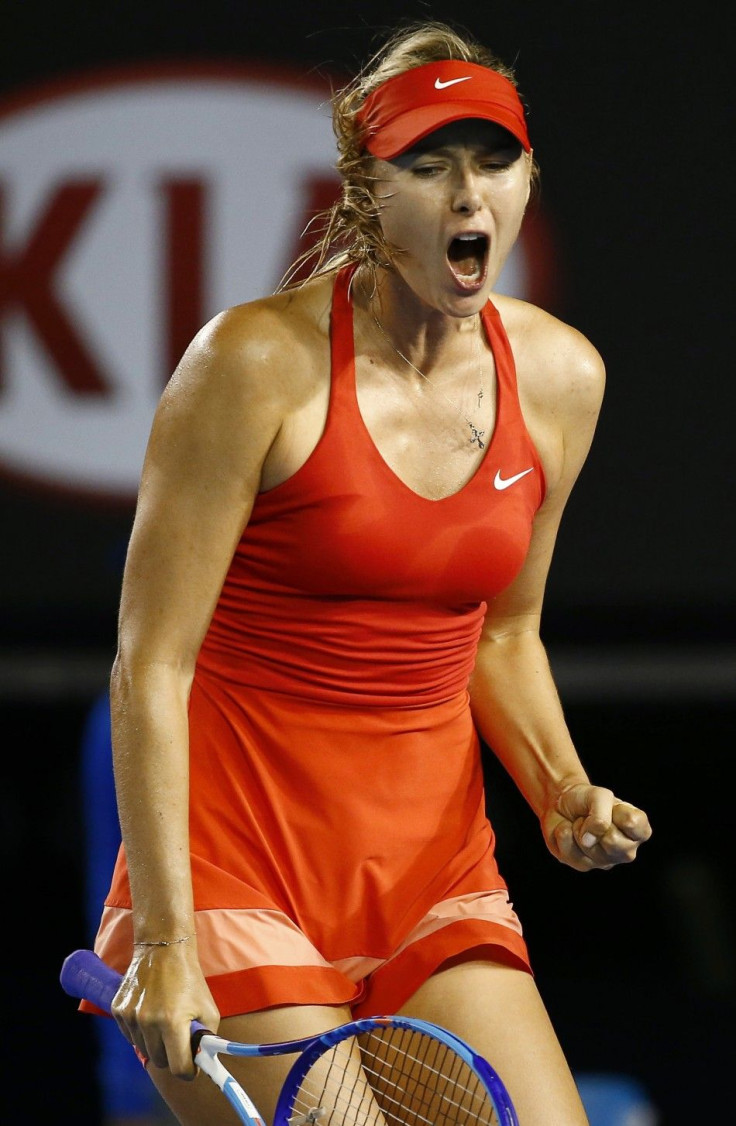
<point x="260" y="353"/>
<point x="248" y="374"/>
<point x="555" y="362"/>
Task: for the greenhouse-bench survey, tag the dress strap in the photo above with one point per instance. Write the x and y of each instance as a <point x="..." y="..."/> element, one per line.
<point x="510" y="422"/>
<point x="342" y="345"/>
<point x="502" y="354"/>
<point x="343" y="398"/>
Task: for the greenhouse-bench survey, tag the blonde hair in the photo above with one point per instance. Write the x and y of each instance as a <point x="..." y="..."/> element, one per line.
<point x="350" y="231"/>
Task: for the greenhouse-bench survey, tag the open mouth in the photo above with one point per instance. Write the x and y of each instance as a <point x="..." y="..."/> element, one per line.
<point x="467" y="255"/>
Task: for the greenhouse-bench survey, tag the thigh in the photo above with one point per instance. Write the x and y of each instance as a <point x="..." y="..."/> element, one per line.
<point x="497" y="1009"/>
<point x="200" y="1101"/>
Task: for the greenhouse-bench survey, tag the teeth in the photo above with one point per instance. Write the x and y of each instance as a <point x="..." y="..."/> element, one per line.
<point x="467" y="238"/>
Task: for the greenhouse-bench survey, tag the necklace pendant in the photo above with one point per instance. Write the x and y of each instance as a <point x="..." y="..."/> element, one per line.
<point x="476" y="436"/>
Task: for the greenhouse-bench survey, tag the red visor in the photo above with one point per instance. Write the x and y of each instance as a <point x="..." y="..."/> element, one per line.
<point x="402" y="110"/>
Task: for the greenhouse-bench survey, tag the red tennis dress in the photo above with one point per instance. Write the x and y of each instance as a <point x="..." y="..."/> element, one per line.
<point x="340" y="846"/>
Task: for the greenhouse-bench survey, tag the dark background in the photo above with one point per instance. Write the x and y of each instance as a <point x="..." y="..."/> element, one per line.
<point x="631" y="117"/>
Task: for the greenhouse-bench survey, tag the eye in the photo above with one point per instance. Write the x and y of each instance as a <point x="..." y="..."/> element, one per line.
<point x="496" y="165"/>
<point x="501" y="159"/>
<point x="427" y="169"/>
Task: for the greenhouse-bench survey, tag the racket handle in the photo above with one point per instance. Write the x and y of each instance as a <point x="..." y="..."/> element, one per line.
<point x="86" y="976"/>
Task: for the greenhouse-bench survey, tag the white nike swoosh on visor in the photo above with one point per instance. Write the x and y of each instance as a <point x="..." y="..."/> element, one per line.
<point x="500" y="482"/>
<point x="440" y="85"/>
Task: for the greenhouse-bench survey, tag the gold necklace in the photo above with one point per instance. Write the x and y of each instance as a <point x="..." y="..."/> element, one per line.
<point x="476" y="435"/>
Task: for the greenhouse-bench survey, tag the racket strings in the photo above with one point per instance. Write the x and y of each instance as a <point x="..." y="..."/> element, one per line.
<point x="335" y="1090"/>
<point x="426" y="1076"/>
<point x="398" y="1077"/>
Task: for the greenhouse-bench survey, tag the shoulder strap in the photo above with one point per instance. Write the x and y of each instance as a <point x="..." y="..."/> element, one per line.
<point x="502" y="354"/>
<point x="342" y="348"/>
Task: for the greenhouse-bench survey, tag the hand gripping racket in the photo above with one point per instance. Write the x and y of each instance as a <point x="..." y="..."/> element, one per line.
<point x="377" y="1071"/>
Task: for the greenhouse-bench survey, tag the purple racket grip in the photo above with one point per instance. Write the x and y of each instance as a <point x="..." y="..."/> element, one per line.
<point x="86" y="976"/>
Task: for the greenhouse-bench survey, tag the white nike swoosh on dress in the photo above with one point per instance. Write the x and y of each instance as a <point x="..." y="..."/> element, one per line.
<point x="440" y="85"/>
<point x="500" y="482"/>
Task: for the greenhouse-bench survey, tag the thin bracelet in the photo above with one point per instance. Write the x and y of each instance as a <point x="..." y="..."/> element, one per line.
<point x="166" y="941"/>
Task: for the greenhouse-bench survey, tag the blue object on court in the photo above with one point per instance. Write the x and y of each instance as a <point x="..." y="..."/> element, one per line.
<point x="611" y="1099"/>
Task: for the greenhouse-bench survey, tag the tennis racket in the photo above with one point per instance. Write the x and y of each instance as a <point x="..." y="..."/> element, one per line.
<point x="377" y="1071"/>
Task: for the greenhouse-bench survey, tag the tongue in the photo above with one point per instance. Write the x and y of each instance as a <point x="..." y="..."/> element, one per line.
<point x="466" y="258"/>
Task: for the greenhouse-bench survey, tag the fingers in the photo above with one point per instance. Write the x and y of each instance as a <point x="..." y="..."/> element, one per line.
<point x="567" y="849"/>
<point x="589" y="806"/>
<point x="632" y="822"/>
<point x="154" y="1014"/>
<point x="598" y="830"/>
<point x="616" y="842"/>
<point x="161" y="1047"/>
<point x="608" y="849"/>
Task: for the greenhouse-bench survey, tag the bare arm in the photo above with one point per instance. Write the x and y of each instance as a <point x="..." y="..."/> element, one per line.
<point x="514" y="699"/>
<point x="211" y="437"/>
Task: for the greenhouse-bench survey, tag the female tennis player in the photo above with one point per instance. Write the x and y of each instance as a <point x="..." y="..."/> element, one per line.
<point x="333" y="590"/>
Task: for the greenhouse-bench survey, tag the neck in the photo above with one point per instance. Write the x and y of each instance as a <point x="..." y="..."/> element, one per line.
<point x="476" y="432"/>
<point x="427" y="338"/>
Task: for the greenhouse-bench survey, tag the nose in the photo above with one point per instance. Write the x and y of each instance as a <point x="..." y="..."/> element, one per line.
<point x="466" y="196"/>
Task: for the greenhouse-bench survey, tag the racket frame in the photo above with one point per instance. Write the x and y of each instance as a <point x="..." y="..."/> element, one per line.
<point x="310" y="1053"/>
<point x="85" y="976"/>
